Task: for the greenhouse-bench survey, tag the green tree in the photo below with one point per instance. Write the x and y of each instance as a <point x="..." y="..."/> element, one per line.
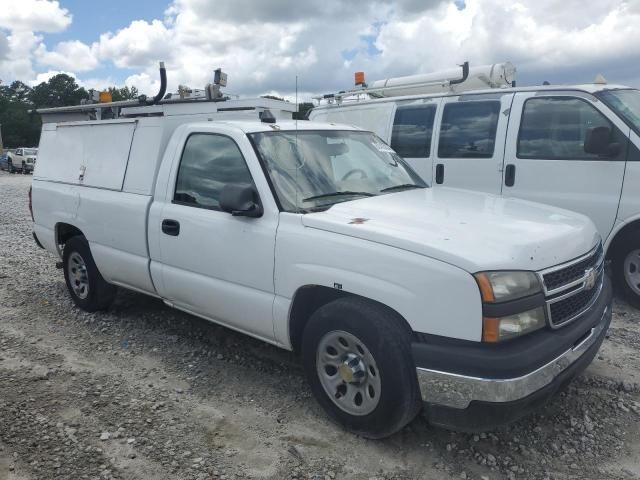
<point x="59" y="91"/>
<point x="19" y="127"/>
<point x="124" y="93"/>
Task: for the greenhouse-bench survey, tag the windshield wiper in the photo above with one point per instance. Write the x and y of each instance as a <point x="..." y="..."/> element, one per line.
<point x="337" y="194"/>
<point x="404" y="186"/>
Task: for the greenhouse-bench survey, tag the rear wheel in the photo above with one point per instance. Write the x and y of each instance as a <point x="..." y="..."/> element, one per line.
<point x="357" y="357"/>
<point x="626" y="266"/>
<point x="86" y="286"/>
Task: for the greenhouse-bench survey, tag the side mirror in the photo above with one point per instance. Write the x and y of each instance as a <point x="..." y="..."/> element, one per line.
<point x="240" y="200"/>
<point x="598" y="142"/>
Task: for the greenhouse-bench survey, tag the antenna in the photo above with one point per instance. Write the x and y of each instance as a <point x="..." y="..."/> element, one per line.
<point x="296" y="137"/>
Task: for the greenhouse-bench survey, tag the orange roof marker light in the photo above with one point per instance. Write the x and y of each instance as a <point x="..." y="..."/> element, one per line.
<point x="105" y="96"/>
<point x="359" y="77"/>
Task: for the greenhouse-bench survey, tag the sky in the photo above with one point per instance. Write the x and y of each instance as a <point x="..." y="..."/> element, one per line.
<point x="263" y="45"/>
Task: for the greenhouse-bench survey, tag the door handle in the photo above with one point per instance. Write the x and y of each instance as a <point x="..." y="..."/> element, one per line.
<point x="439" y="173"/>
<point x="171" y="227"/>
<point x="510" y="175"/>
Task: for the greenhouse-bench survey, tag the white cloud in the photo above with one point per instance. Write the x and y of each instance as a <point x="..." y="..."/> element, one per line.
<point x="263" y="46"/>
<point x="33" y="15"/>
<point x="137" y="44"/>
<point x="45" y="76"/>
<point x="73" y="55"/>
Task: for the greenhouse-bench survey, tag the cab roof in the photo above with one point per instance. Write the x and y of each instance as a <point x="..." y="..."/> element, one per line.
<point x="256" y="126"/>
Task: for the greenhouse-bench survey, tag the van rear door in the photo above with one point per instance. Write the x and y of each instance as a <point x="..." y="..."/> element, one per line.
<point x="545" y="159"/>
<point x="470" y="132"/>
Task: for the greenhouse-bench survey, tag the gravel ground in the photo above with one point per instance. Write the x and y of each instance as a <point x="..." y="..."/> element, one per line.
<point x="144" y="391"/>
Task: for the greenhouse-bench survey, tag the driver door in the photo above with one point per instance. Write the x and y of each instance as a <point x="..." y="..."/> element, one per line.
<point x="214" y="264"/>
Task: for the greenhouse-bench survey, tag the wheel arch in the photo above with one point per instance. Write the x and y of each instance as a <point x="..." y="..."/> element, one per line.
<point x="63" y="232"/>
<point x="621" y="232"/>
<point x="309" y="298"/>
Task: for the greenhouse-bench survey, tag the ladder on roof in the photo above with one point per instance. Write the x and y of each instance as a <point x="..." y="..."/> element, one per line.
<point x="185" y="102"/>
<point x="499" y="75"/>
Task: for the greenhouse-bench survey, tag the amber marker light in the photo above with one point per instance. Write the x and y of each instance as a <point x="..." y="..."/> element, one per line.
<point x="486" y="290"/>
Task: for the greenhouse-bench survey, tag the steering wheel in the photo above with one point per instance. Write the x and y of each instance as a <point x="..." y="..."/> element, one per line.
<point x="362" y="173"/>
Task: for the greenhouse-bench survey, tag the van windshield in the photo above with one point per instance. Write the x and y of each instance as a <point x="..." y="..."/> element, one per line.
<point x="30" y="151"/>
<point x="626" y="103"/>
<point x="311" y="170"/>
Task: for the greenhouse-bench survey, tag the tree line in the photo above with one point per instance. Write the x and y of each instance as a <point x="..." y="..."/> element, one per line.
<point x="20" y="127"/>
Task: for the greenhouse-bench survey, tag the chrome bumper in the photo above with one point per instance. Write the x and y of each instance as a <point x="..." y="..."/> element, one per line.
<point x="457" y="391"/>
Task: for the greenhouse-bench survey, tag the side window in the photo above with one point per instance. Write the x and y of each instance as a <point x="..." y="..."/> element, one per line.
<point x="19" y="152"/>
<point x="412" y="129"/>
<point x="468" y="129"/>
<point x="208" y="163"/>
<point x="556" y="128"/>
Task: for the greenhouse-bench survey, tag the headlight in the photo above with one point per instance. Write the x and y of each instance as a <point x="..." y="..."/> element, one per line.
<point x="502" y="286"/>
<point x="503" y="328"/>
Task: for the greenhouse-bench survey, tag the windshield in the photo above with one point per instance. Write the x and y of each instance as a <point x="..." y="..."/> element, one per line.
<point x="30" y="151"/>
<point x="625" y="103"/>
<point x="312" y="170"/>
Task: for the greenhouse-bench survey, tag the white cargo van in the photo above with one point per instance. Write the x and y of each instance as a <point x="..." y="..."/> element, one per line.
<point x="575" y="147"/>
<point x="319" y="238"/>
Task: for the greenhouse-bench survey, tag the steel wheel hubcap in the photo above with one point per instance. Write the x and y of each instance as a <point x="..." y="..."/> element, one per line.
<point x="632" y="270"/>
<point x="78" y="277"/>
<point x="348" y="373"/>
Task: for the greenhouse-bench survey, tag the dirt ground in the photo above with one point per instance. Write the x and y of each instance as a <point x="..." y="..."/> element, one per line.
<point x="144" y="391"/>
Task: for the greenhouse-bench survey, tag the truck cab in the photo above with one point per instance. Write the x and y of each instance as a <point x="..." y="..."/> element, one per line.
<point x="575" y="147"/>
<point x="319" y="238"/>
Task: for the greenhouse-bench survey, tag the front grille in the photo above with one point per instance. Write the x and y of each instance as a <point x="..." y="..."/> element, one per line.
<point x="572" y="288"/>
<point x="567" y="309"/>
<point x="572" y="273"/>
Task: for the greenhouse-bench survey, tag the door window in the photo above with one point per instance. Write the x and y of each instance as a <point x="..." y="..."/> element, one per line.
<point x="556" y="128"/>
<point x="208" y="163"/>
<point x="412" y="129"/>
<point x="468" y="129"/>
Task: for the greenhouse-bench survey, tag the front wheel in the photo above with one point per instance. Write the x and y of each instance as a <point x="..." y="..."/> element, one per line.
<point x="10" y="167"/>
<point x="86" y="286"/>
<point x="357" y="357"/>
<point x="626" y="266"/>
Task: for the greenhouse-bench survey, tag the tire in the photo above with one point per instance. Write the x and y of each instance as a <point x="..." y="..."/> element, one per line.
<point x="10" y="167"/>
<point x="626" y="267"/>
<point x="379" y="350"/>
<point x="87" y="288"/>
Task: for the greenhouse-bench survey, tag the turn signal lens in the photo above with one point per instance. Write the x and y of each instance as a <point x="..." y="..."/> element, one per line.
<point x="486" y="290"/>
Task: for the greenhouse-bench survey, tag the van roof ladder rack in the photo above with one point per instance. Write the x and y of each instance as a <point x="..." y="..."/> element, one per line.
<point x="499" y="75"/>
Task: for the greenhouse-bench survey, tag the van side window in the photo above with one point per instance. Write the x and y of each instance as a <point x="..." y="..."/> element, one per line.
<point x="412" y="129"/>
<point x="556" y="128"/>
<point x="468" y="129"/>
<point x="208" y="163"/>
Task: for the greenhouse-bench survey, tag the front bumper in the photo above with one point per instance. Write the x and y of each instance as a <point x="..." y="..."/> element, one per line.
<point x="473" y="402"/>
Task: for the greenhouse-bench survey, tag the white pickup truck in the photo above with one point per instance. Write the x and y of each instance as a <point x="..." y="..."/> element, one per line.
<point x="319" y="238"/>
<point x="22" y="160"/>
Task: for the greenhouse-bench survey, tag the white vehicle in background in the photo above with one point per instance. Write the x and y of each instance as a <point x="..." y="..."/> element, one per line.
<point x="319" y="238"/>
<point x="22" y="160"/>
<point x="575" y="147"/>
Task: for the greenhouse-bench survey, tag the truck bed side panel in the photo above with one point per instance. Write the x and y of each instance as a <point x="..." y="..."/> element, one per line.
<point x="115" y="225"/>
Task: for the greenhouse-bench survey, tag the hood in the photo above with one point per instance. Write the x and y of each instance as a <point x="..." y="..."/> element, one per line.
<point x="472" y="230"/>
